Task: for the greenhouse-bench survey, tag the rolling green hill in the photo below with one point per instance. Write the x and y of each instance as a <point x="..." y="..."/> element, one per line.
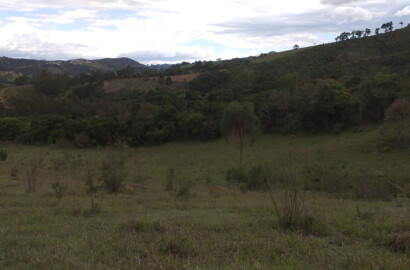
<point x="273" y="56"/>
<point x="129" y="171"/>
<point x="328" y="87"/>
<point x="73" y="67"/>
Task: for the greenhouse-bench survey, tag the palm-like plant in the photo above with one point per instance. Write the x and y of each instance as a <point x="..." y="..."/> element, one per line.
<point x="239" y="121"/>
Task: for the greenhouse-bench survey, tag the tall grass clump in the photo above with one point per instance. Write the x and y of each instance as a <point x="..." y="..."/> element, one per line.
<point x="91" y="188"/>
<point x="112" y="173"/>
<point x="3" y="155"/>
<point x="169" y="181"/>
<point x="59" y="190"/>
<point x="252" y="179"/>
<point x="32" y="167"/>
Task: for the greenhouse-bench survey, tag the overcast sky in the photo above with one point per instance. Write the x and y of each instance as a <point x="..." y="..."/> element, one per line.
<point x="169" y="31"/>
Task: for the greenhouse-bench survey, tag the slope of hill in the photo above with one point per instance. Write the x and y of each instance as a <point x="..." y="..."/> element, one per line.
<point x="388" y="52"/>
<point x="73" y="67"/>
<point x="323" y="88"/>
<point x="273" y="56"/>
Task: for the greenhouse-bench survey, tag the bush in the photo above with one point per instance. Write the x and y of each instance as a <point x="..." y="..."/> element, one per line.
<point x="184" y="191"/>
<point x="59" y="189"/>
<point x="12" y="128"/>
<point x="32" y="166"/>
<point x="112" y="173"/>
<point x="169" y="185"/>
<point x="22" y="80"/>
<point x="81" y="140"/>
<point x="13" y="169"/>
<point x="3" y="155"/>
<point x="51" y="84"/>
<point x="235" y="175"/>
<point x="254" y="179"/>
<point x="292" y="213"/>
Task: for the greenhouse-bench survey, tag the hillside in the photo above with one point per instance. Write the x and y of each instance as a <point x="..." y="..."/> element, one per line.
<point x="326" y="88"/>
<point x="387" y="52"/>
<point x="73" y="67"/>
<point x="296" y="160"/>
<point x="273" y="56"/>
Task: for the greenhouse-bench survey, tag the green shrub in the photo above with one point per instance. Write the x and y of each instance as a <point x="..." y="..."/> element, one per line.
<point x="243" y="187"/>
<point x="11" y="128"/>
<point x="209" y="182"/>
<point x="254" y="179"/>
<point x="184" y="191"/>
<point x="3" y="155"/>
<point x="81" y="140"/>
<point x="235" y="175"/>
<point x="169" y="185"/>
<point x="94" y="210"/>
<point x="59" y="189"/>
<point x="32" y="166"/>
<point x="13" y="169"/>
<point x="91" y="188"/>
<point x="293" y="214"/>
<point x="112" y="173"/>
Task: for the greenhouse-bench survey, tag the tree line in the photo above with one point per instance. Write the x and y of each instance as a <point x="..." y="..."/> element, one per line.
<point x="321" y="89"/>
<point x="387" y="27"/>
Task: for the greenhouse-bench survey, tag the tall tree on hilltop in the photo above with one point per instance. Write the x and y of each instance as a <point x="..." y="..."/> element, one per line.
<point x="359" y="33"/>
<point x="388" y="27"/>
<point x="376" y="31"/>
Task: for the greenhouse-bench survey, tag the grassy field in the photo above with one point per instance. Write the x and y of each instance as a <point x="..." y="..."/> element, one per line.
<point x="207" y="225"/>
<point x="13" y="90"/>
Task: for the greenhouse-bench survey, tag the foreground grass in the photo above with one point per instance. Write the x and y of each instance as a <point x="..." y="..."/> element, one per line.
<point x="146" y="227"/>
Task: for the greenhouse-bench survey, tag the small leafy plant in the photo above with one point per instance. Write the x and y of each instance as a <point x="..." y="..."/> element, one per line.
<point x="112" y="173"/>
<point x="3" y="155"/>
<point x="59" y="190"/>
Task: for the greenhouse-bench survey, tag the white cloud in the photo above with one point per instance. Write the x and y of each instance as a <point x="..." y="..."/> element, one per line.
<point x="339" y="2"/>
<point x="404" y="12"/>
<point x="164" y="29"/>
<point x="70" y="16"/>
<point x="28" y="5"/>
<point x="352" y="13"/>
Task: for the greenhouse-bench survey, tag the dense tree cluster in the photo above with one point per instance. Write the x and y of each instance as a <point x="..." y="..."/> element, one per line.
<point x="388" y="27"/>
<point x="324" y="88"/>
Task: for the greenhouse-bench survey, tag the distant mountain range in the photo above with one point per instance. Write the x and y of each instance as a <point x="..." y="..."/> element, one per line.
<point x="73" y="67"/>
<point x="78" y="66"/>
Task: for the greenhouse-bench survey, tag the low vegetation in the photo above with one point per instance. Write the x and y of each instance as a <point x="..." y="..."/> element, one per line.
<point x="321" y="201"/>
<point x="323" y="88"/>
<point x="128" y="170"/>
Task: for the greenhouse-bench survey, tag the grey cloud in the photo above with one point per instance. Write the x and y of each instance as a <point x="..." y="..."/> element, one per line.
<point x="313" y="23"/>
<point x="339" y="2"/>
<point x="140" y="56"/>
<point x="32" y="55"/>
<point x="44" y="50"/>
<point x="309" y="23"/>
<point x="20" y="5"/>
